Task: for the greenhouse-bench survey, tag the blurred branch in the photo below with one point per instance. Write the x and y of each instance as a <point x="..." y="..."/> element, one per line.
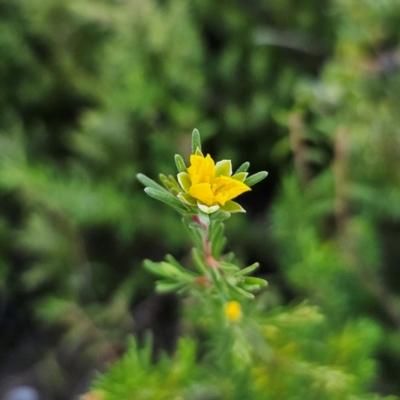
<point x="298" y="147"/>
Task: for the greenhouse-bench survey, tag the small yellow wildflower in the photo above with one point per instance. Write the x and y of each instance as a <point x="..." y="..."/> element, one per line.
<point x="233" y="311"/>
<point x="211" y="185"/>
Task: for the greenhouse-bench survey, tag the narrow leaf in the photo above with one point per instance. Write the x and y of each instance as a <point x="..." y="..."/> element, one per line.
<point x="172" y="260"/>
<point x="174" y="183"/>
<point x="146" y="181"/>
<point x="176" y="264"/>
<point x="198" y="261"/>
<point x="250" y="287"/>
<point x="219" y="216"/>
<point x="248" y="269"/>
<point x="196" y="142"/>
<point x="228" y="267"/>
<point x="240" y="291"/>
<point x="167" y="286"/>
<point x="167" y="270"/>
<point x="243" y="168"/>
<point x="253" y="179"/>
<point x="218" y="247"/>
<point x="250" y="280"/>
<point x="155" y="268"/>
<point x="180" y="163"/>
<point x="215" y="276"/>
<point x="216" y="231"/>
<point x="194" y="231"/>
<point x="165" y="181"/>
<point x="165" y="197"/>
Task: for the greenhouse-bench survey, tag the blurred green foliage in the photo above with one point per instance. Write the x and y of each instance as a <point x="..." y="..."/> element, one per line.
<point x="94" y="92"/>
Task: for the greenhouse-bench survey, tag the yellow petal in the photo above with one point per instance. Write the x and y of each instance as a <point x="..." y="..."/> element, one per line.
<point x="228" y="188"/>
<point x="202" y="192"/>
<point x="222" y="197"/>
<point x="202" y="169"/>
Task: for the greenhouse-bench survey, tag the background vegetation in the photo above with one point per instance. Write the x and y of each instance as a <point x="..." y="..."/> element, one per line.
<point x="93" y="92"/>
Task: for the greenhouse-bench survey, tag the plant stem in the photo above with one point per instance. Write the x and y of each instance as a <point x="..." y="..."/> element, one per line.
<point x="207" y="245"/>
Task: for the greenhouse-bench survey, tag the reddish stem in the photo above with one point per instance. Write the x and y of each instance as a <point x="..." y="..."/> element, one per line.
<point x="208" y="257"/>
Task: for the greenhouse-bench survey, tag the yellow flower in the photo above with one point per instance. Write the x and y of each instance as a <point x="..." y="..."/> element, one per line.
<point x="233" y="311"/>
<point x="210" y="186"/>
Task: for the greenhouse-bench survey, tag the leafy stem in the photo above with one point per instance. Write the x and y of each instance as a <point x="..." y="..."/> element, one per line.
<point x="207" y="245"/>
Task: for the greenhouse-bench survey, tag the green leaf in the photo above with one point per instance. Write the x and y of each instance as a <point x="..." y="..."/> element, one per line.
<point x="167" y="270"/>
<point x="195" y="233"/>
<point x="230" y="257"/>
<point x="146" y="181"/>
<point x="184" y="181"/>
<point x="204" y="218"/>
<point x="248" y="269"/>
<point x="228" y="267"/>
<point x="218" y="247"/>
<point x="216" y="238"/>
<point x="199" y="153"/>
<point x="170" y="184"/>
<point x="196" y="142"/>
<point x="165" y="181"/>
<point x="199" y="262"/>
<point x="232" y="207"/>
<point x="180" y="163"/>
<point x="164" y="286"/>
<point x="216" y="279"/>
<point x="240" y="291"/>
<point x="216" y="231"/>
<point x="253" y="179"/>
<point x="174" y="184"/>
<point x="219" y="216"/>
<point x="165" y="197"/>
<point x="223" y="167"/>
<point x="171" y="260"/>
<point x="241" y="176"/>
<point x="250" y="287"/>
<point x="187" y="199"/>
<point x="243" y="168"/>
<point x="206" y="209"/>
<point x="250" y="280"/>
<point x="159" y="268"/>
